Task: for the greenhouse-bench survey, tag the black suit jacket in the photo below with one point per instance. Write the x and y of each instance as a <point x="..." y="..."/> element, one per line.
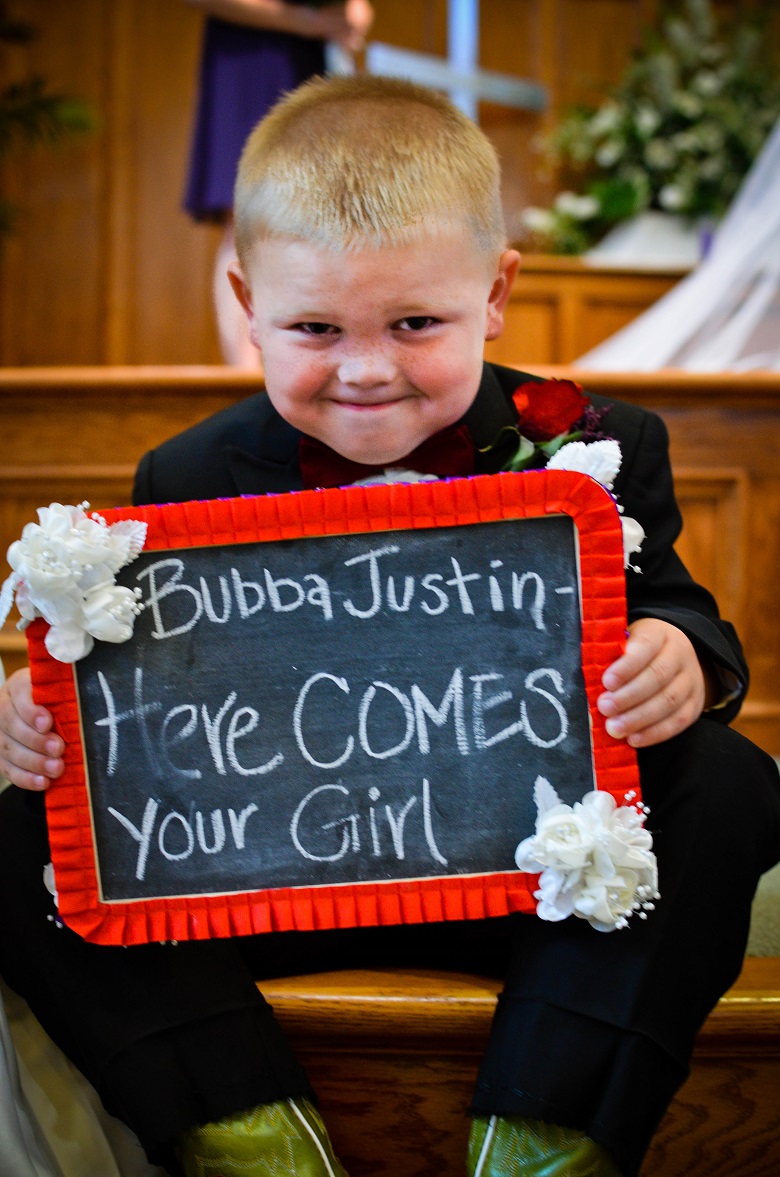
<point x="249" y="449"/>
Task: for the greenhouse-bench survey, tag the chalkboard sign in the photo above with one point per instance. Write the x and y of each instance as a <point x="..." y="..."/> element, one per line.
<point x="334" y="707"/>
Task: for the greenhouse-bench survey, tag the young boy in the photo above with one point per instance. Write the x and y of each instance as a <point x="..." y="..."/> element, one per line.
<point x="372" y="269"/>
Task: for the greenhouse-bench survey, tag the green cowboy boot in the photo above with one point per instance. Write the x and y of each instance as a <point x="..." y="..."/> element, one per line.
<point x="512" y="1146"/>
<point x="286" y="1139"/>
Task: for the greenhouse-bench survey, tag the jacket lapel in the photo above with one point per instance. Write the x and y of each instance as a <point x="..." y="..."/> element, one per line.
<point x="271" y="467"/>
<point x="491" y="412"/>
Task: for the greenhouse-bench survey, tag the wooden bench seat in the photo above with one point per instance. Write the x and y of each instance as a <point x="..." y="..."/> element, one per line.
<point x="393" y="1056"/>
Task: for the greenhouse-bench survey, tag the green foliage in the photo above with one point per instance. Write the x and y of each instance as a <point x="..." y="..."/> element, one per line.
<point x="678" y="133"/>
<point x="29" y="112"/>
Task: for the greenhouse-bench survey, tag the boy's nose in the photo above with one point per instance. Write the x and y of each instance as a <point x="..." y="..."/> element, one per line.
<point x="366" y="371"/>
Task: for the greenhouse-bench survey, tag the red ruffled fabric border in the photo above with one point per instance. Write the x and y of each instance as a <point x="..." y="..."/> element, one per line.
<point x="451" y="503"/>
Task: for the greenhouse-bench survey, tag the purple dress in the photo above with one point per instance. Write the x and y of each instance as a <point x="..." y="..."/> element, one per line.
<point x="242" y="74"/>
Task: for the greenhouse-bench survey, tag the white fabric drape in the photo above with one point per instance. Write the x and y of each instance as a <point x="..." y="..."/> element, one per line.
<point x="725" y="316"/>
<point x="23" y="1148"/>
<point x="52" y="1123"/>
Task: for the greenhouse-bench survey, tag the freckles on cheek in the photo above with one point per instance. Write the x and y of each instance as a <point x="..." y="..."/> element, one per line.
<point x="290" y="373"/>
<point x="305" y="384"/>
<point x="298" y="386"/>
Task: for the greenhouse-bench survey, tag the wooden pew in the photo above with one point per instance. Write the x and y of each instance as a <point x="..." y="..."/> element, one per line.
<point x="393" y="1057"/>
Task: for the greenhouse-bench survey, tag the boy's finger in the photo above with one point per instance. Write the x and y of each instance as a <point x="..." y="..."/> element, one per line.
<point x="659" y="733"/>
<point x="15" y="733"/>
<point x="25" y="780"/>
<point x="638" y="655"/>
<point x="632" y="682"/>
<point x="28" y="769"/>
<point x="629" y="694"/>
<point x="20" y="693"/>
<point x="627" y="723"/>
<point x="673" y="709"/>
<point x="43" y="759"/>
<point x="646" y="640"/>
<point x="661" y="679"/>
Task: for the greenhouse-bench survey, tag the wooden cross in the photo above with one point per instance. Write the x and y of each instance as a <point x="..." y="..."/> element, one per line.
<point x="458" y="74"/>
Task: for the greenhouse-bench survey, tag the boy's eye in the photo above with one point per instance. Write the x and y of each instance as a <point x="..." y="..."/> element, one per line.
<point x="316" y="328"/>
<point x="416" y="323"/>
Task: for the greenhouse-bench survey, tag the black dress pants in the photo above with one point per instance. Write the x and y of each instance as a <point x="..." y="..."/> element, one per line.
<point x="593" y="1030"/>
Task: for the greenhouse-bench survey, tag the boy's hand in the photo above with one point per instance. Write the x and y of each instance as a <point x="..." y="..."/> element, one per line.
<point x="30" y="752"/>
<point x="656" y="689"/>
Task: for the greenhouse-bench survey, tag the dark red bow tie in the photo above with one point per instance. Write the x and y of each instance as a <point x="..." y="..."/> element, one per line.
<point x="448" y="454"/>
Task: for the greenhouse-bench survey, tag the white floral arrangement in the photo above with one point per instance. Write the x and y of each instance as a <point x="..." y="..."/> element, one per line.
<point x="64" y="570"/>
<point x="594" y="859"/>
<point x="601" y="460"/>
<point x="678" y="134"/>
<point x="394" y="474"/>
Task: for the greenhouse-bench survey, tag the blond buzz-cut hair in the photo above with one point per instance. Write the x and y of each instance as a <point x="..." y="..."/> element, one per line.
<point x="346" y="162"/>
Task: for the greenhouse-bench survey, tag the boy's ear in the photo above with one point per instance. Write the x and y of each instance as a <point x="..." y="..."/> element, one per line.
<point x="244" y="295"/>
<point x="500" y="291"/>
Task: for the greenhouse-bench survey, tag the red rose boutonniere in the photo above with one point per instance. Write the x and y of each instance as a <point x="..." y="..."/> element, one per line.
<point x="550" y="414"/>
<point x="559" y="428"/>
<point x="548" y="408"/>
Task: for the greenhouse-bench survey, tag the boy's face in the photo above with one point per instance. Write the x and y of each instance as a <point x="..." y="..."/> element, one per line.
<point x="374" y="351"/>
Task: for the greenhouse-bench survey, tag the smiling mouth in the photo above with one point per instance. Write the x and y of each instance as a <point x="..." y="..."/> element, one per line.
<point x="368" y="405"/>
<point x="363" y="407"/>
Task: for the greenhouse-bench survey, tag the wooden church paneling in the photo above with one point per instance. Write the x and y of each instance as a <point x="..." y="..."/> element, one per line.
<point x="104" y="266"/>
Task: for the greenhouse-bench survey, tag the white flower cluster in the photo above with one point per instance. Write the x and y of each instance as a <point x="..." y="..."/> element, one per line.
<point x="678" y="133"/>
<point x="594" y="859"/>
<point x="392" y="474"/>
<point x="601" y="460"/>
<point x="566" y="205"/>
<point x="63" y="570"/>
